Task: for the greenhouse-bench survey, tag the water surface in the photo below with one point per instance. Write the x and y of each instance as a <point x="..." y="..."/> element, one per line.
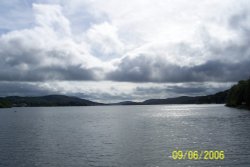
<point x="135" y="136"/>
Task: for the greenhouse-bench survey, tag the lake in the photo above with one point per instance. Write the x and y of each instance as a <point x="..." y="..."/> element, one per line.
<point x="122" y="136"/>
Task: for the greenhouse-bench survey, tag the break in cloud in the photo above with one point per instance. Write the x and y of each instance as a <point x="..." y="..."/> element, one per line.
<point x="130" y="50"/>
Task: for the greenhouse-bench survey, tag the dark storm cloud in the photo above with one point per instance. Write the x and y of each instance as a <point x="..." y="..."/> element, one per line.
<point x="148" y="69"/>
<point x="44" y="52"/>
<point x="30" y="63"/>
<point x="228" y="61"/>
<point x="20" y="89"/>
<point x="71" y="73"/>
<point x="23" y="59"/>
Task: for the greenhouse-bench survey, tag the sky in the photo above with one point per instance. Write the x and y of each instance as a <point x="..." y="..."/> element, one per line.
<point x="110" y="51"/>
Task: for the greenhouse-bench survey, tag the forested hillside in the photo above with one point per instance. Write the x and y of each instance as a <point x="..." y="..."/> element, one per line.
<point x="239" y="95"/>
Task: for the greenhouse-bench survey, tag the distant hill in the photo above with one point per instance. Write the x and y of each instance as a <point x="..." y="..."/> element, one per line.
<point x="61" y="100"/>
<point x="218" y="98"/>
<point x="50" y="100"/>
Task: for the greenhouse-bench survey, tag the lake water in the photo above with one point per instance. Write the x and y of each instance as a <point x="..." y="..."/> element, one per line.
<point x="135" y="136"/>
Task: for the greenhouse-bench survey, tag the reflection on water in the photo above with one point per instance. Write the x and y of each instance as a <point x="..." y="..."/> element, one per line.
<point x="122" y="135"/>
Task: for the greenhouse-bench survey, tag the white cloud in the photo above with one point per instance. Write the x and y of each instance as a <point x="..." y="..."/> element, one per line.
<point x="104" y="41"/>
<point x="51" y="17"/>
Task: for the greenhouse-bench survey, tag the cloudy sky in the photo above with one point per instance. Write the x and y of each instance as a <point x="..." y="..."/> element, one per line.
<point x="110" y="50"/>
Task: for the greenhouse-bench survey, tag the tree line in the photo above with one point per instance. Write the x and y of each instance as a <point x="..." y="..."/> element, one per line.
<point x="239" y="95"/>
